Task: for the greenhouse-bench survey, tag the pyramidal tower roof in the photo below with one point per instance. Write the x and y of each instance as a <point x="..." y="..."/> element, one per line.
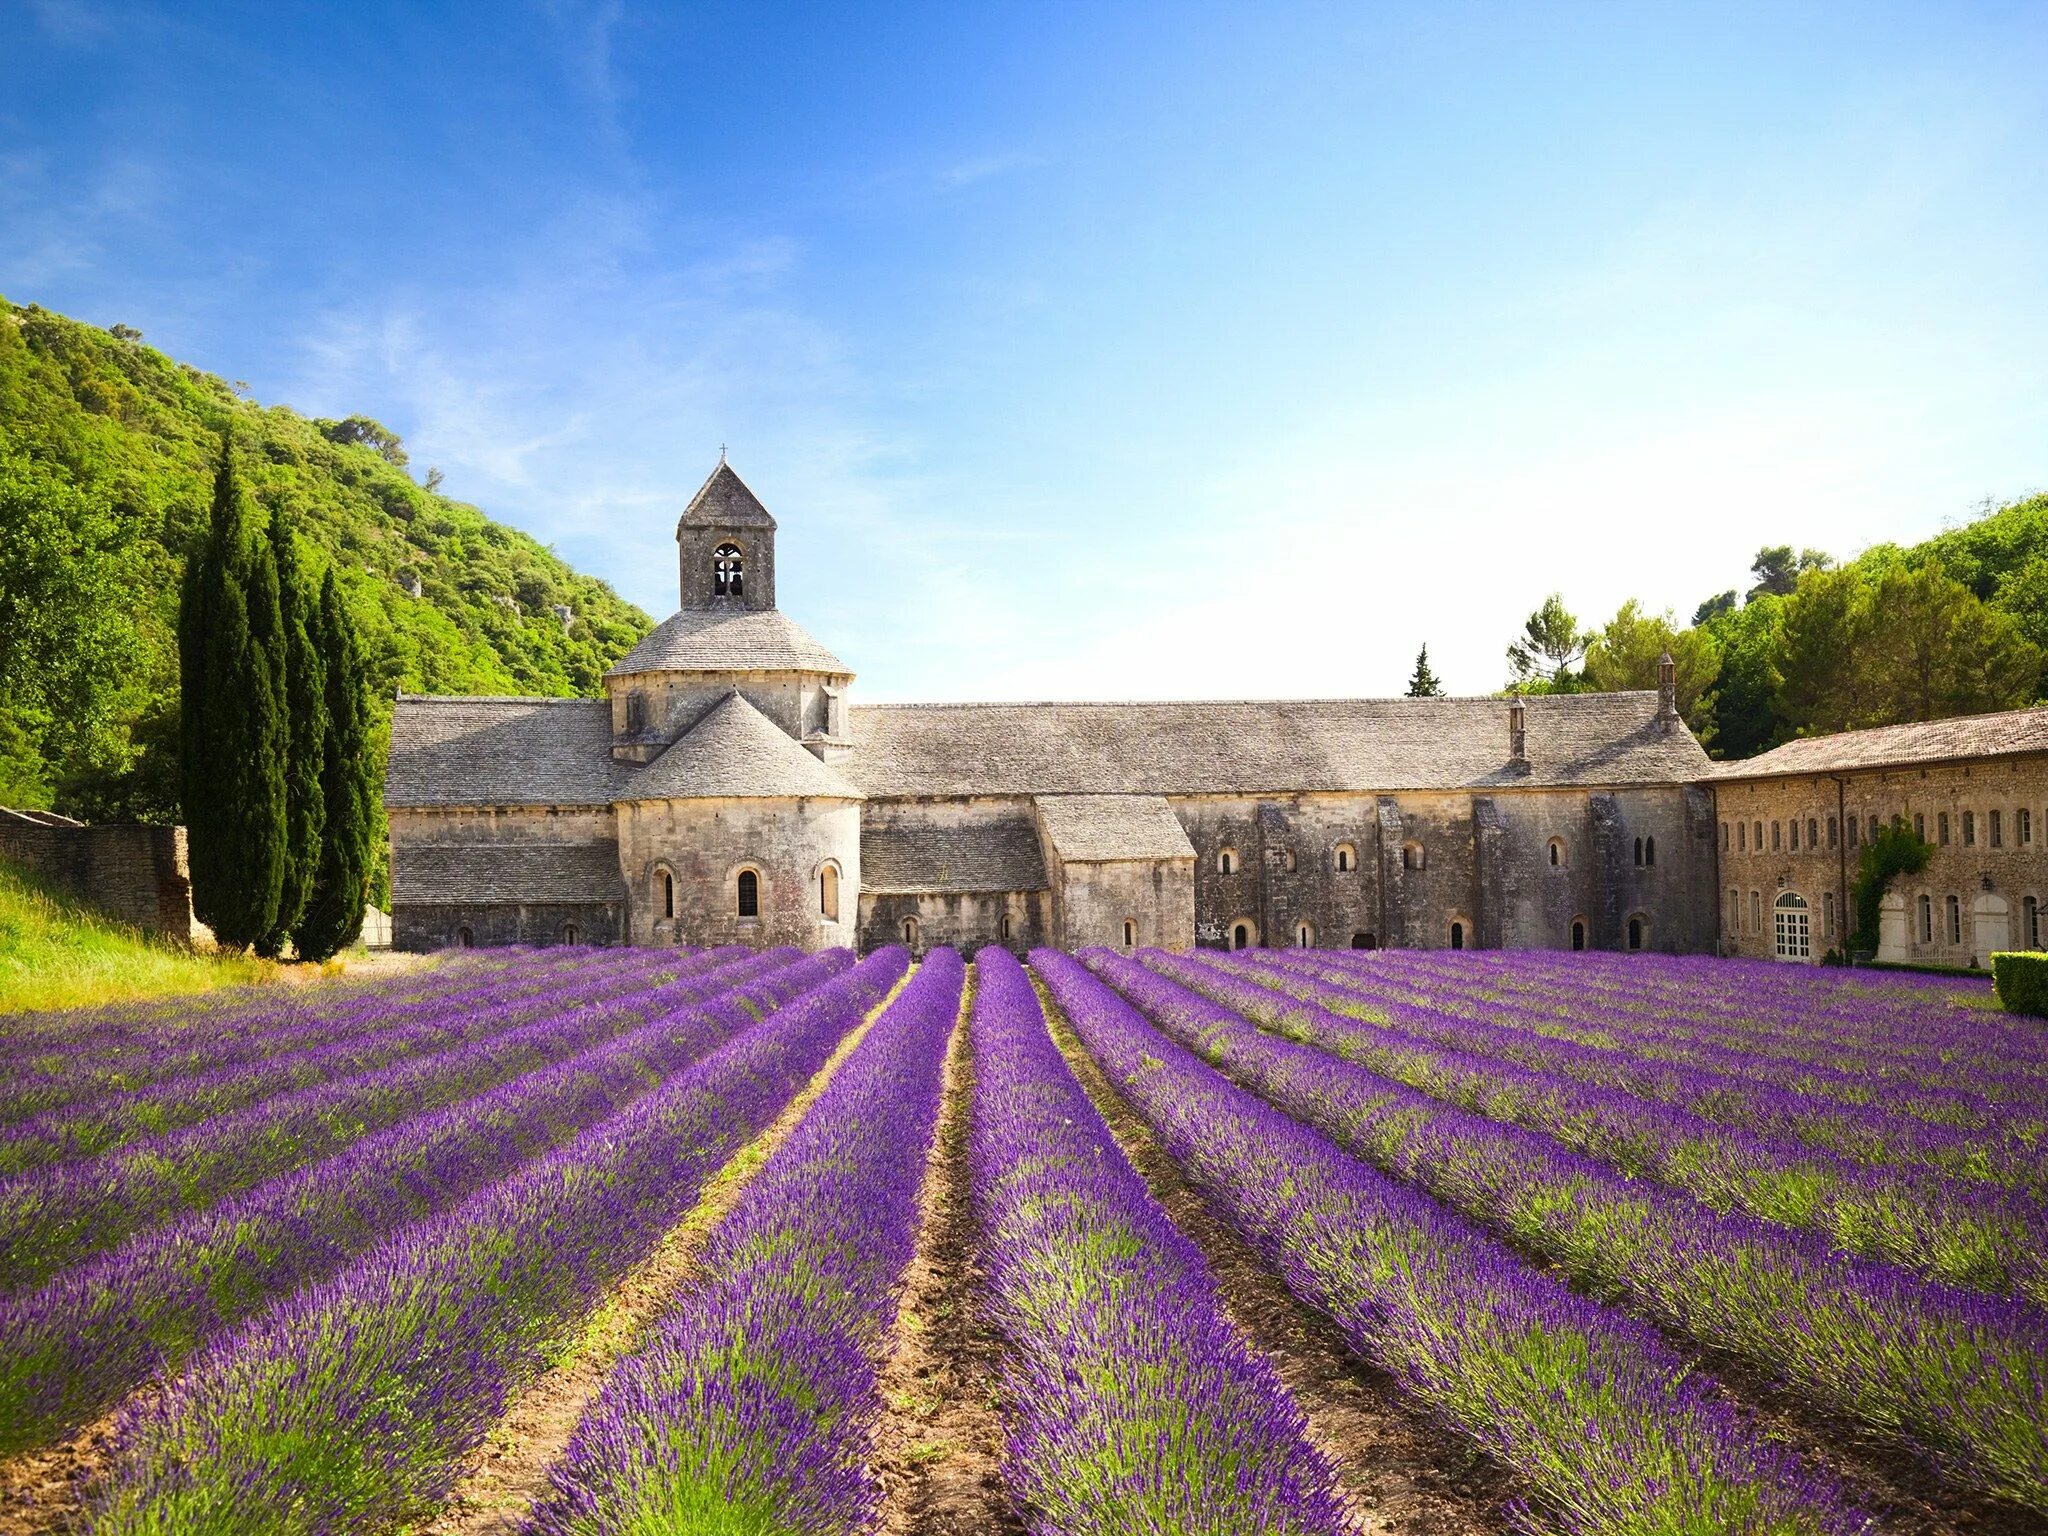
<point x="724" y="501"/>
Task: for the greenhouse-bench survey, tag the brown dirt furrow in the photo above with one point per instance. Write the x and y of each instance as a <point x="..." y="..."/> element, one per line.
<point x="940" y="1445"/>
<point x="506" y="1475"/>
<point x="1400" y="1471"/>
<point x="44" y="1490"/>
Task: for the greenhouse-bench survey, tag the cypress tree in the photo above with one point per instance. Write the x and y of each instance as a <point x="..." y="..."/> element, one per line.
<point x="348" y="784"/>
<point x="231" y="725"/>
<point x="305" y="696"/>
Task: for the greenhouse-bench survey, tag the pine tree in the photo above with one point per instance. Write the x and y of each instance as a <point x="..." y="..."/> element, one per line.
<point x="1424" y="684"/>
<point x="232" y="724"/>
<point x="305" y="697"/>
<point x="348" y="784"/>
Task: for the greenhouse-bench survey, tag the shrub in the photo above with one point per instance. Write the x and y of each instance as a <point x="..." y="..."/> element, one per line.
<point x="2021" y="979"/>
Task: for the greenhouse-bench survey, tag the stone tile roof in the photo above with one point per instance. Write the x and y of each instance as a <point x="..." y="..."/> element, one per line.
<point x="1106" y="829"/>
<point x="1967" y="736"/>
<point x="472" y="874"/>
<point x="729" y="639"/>
<point x="995" y="852"/>
<point x="735" y="750"/>
<point x="723" y="501"/>
<point x="471" y="751"/>
<point x="1270" y="747"/>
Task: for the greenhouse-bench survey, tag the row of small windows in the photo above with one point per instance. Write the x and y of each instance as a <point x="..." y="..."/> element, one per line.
<point x="1344" y="858"/>
<point x="465" y="936"/>
<point x="1747" y="836"/>
<point x="1242" y="935"/>
<point x="746" y="891"/>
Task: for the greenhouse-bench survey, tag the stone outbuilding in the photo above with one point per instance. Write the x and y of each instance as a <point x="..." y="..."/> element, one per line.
<point x="726" y="789"/>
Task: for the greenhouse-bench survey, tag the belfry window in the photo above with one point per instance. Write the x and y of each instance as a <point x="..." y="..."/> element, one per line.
<point x="749" y="894"/>
<point x="728" y="571"/>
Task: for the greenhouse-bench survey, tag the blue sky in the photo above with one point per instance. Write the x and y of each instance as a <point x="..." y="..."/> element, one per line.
<point x="1142" y="350"/>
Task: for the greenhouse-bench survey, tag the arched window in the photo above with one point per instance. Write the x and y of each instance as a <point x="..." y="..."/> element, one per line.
<point x="1742" y="837"/>
<point x="910" y="932"/>
<point x="1557" y="856"/>
<point x="667" y="882"/>
<point x="728" y="571"/>
<point x="2030" y="922"/>
<point x="568" y="933"/>
<point x="1793" y="840"/>
<point x="1304" y="936"/>
<point x="1756" y="912"/>
<point x="1226" y="862"/>
<point x="1812" y="834"/>
<point x="1364" y="941"/>
<point x="1347" y="858"/>
<point x="1457" y="935"/>
<point x="1130" y="934"/>
<point x="1792" y="922"/>
<point x="464" y="939"/>
<point x="1760" y="835"/>
<point x="1827" y="908"/>
<point x="1638" y="932"/>
<point x="1578" y="933"/>
<point x="828" y="893"/>
<point x="1926" y="920"/>
<point x="1639" y="852"/>
<point x="1241" y="936"/>
<point x="1777" y="836"/>
<point x="749" y="885"/>
<point x="1413" y="856"/>
<point x="1003" y="928"/>
<point x="1650" y="851"/>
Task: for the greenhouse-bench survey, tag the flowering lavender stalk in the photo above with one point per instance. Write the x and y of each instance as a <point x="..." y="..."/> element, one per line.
<point x="1964" y="1234"/>
<point x="53" y="1080"/>
<point x="1132" y="1402"/>
<point x="1612" y="1428"/>
<point x="1959" y="1377"/>
<point x="351" y="1404"/>
<point x="75" y="1345"/>
<point x="55" y="1216"/>
<point x="103" y="1124"/>
<point x="752" y="1404"/>
<point x="1743" y="1093"/>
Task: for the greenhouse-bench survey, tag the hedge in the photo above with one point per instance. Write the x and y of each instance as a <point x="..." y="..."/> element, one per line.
<point x="2022" y="981"/>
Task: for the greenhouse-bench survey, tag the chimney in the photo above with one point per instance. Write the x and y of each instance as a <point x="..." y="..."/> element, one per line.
<point x="1667" y="693"/>
<point x="1518" y="735"/>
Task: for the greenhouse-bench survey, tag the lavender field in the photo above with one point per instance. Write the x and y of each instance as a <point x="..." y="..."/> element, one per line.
<point x="584" y="1242"/>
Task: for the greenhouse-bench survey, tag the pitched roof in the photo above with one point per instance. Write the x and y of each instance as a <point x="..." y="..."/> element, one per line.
<point x="1107" y="829"/>
<point x="1967" y="736"/>
<point x="995" y="852"/>
<point x="423" y="874"/>
<point x="470" y="751"/>
<point x="729" y="640"/>
<point x="1270" y="747"/>
<point x="723" y="501"/>
<point x="735" y="750"/>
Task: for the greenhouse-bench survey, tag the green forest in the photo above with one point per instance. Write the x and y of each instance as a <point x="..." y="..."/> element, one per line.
<point x="107" y="456"/>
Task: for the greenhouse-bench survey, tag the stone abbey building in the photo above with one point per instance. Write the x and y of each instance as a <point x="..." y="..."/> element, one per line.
<point x="729" y="789"/>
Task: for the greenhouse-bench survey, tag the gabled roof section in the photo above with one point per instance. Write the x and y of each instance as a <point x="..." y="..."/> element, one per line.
<point x="464" y="874"/>
<point x="1264" y="747"/>
<point x="2008" y="734"/>
<point x="482" y="751"/>
<point x="996" y="851"/>
<point x="735" y="751"/>
<point x="723" y="501"/>
<point x="729" y="640"/>
<point x="1112" y="829"/>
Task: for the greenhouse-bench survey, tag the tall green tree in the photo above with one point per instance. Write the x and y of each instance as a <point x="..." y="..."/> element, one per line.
<point x="1627" y="652"/>
<point x="1777" y="570"/>
<point x="232" y="721"/>
<point x="1744" y="698"/>
<point x="349" y="785"/>
<point x="1552" y="643"/>
<point x="1424" y="684"/>
<point x="305" y="696"/>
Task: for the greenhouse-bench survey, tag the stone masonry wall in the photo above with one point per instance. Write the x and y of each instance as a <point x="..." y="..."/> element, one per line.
<point x="1992" y="865"/>
<point x="137" y="874"/>
<point x="707" y="843"/>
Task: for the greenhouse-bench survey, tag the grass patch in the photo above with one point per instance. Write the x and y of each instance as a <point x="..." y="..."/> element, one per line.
<point x="55" y="953"/>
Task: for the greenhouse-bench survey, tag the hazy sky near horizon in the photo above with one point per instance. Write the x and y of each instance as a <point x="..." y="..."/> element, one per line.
<point x="1123" y="350"/>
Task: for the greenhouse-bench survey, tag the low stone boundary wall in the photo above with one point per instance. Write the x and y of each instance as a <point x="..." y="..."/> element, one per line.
<point x="135" y="873"/>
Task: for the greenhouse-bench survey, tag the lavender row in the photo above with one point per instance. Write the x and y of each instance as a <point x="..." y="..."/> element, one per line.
<point x="79" y="1343"/>
<point x="47" y="1081"/>
<point x="350" y="1405"/>
<point x="56" y="1216"/>
<point x="1612" y="1429"/>
<point x="1959" y="1071"/>
<point x="1131" y="1401"/>
<point x="1750" y="1099"/>
<point x="102" y="1125"/>
<point x="752" y="1403"/>
<point x="1962" y="1233"/>
<point x="1958" y="1377"/>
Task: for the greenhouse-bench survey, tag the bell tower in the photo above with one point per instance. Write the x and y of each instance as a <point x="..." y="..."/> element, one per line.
<point x="726" y="546"/>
